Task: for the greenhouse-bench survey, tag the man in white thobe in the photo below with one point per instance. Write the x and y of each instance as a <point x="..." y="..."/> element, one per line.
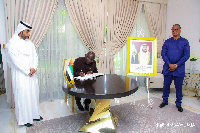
<point x="22" y="59"/>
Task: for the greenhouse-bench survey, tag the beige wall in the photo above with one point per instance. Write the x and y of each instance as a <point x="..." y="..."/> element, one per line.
<point x="187" y="14"/>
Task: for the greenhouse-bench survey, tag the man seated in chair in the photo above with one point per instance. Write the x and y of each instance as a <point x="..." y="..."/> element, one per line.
<point x="82" y="66"/>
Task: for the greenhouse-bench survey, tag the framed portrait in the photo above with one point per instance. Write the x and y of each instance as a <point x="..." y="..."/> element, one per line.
<point x="141" y="56"/>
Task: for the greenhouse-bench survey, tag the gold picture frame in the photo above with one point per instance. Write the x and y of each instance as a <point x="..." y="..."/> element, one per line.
<point x="141" y="56"/>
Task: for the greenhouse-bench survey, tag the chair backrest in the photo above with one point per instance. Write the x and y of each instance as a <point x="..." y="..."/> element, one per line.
<point x="65" y="66"/>
<point x="160" y="64"/>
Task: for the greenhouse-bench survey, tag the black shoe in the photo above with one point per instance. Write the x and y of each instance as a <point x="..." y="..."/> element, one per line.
<point x="80" y="107"/>
<point x="87" y="106"/>
<point x="38" y="119"/>
<point x="163" y="104"/>
<point x="28" y="125"/>
<point x="180" y="109"/>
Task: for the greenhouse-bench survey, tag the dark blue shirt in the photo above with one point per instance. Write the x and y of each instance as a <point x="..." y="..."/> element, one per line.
<point x="175" y="52"/>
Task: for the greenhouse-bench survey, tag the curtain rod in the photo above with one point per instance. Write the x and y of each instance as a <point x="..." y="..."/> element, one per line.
<point x="156" y="1"/>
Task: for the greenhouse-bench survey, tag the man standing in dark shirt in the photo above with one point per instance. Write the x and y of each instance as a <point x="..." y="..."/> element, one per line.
<point x="82" y="66"/>
<point x="175" y="52"/>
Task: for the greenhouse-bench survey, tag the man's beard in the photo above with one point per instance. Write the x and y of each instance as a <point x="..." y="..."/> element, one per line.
<point x="144" y="51"/>
<point x="25" y="37"/>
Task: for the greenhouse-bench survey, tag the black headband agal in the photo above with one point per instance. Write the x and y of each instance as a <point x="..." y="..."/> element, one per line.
<point x="26" y="25"/>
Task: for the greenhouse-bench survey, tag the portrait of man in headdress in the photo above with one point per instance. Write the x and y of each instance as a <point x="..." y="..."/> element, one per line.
<point x="144" y="57"/>
<point x="141" y="56"/>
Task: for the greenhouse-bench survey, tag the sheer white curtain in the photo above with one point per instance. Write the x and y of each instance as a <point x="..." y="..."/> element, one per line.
<point x="140" y="30"/>
<point x="60" y="42"/>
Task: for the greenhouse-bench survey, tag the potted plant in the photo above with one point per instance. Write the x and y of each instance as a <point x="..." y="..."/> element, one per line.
<point x="193" y="59"/>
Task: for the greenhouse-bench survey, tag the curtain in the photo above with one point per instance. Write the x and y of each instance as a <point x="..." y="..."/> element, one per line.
<point x="156" y="19"/>
<point x="60" y="42"/>
<point x="122" y="18"/>
<point x="140" y="30"/>
<point x="35" y="12"/>
<point x="90" y="19"/>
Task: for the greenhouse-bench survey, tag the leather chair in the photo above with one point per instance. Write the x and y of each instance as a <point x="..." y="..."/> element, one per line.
<point x="65" y="83"/>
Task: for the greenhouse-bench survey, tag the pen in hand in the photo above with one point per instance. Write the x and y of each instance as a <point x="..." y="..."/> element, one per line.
<point x="89" y="72"/>
<point x="82" y="74"/>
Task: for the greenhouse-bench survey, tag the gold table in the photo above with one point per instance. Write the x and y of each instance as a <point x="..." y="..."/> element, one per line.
<point x="102" y="89"/>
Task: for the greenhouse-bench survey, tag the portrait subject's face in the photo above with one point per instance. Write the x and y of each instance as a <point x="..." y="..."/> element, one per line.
<point x="144" y="49"/>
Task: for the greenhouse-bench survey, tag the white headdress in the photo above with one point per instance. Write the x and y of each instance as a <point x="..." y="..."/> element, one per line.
<point x="144" y="45"/>
<point x="22" y="26"/>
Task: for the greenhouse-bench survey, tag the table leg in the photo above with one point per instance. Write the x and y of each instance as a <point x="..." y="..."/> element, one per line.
<point x="65" y="97"/>
<point x="102" y="118"/>
<point x="147" y="83"/>
<point x="73" y="99"/>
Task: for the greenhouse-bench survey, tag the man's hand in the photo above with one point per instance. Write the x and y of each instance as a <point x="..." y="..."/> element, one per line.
<point x="172" y="67"/>
<point x="89" y="72"/>
<point x="82" y="74"/>
<point x="32" y="72"/>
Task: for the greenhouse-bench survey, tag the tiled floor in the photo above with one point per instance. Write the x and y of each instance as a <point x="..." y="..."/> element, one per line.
<point x="59" y="108"/>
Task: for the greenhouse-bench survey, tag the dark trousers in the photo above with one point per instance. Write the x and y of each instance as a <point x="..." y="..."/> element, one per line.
<point x="78" y="101"/>
<point x="178" y="81"/>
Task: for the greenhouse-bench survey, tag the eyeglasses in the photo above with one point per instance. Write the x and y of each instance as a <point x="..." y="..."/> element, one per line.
<point x="174" y="29"/>
<point x="91" y="60"/>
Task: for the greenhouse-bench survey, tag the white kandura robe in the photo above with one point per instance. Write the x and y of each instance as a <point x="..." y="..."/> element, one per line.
<point x="21" y="56"/>
<point x="144" y="58"/>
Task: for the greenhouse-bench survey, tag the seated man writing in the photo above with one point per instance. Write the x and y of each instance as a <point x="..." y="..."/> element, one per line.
<point x="82" y="66"/>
